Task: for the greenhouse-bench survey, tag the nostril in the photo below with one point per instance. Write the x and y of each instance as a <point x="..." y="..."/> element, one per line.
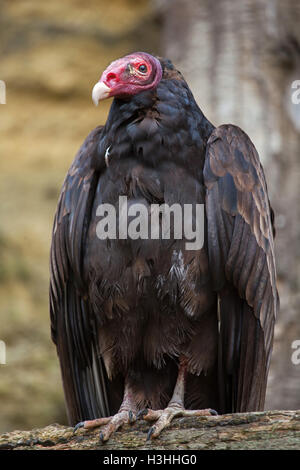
<point x="111" y="77"/>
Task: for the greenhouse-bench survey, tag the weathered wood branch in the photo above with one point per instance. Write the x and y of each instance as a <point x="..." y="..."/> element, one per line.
<point x="261" y="430"/>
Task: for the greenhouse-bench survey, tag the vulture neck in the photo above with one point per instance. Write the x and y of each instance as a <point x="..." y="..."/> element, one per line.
<point x="158" y="125"/>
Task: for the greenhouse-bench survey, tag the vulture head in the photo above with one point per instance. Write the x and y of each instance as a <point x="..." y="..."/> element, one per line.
<point x="128" y="76"/>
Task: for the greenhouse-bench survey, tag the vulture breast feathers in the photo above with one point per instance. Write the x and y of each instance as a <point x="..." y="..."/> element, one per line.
<point x="132" y="316"/>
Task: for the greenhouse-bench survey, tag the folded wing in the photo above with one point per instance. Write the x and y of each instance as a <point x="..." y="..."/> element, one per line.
<point x="241" y="256"/>
<point x="72" y="323"/>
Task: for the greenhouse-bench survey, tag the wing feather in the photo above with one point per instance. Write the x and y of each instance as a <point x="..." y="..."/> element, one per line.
<point x="241" y="256"/>
<point x="72" y="323"/>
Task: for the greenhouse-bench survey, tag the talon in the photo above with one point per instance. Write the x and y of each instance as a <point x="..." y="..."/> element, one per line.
<point x="78" y="425"/>
<point x="150" y="432"/>
<point x="213" y="412"/>
<point x="142" y="413"/>
<point x="101" y="437"/>
<point x="131" y="417"/>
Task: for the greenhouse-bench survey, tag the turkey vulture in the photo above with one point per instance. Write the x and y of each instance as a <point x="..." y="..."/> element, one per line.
<point x="146" y="328"/>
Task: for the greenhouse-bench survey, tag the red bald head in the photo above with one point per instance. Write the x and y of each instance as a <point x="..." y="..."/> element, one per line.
<point x="128" y="76"/>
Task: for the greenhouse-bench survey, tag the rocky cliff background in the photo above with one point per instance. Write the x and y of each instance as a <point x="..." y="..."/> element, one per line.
<point x="239" y="58"/>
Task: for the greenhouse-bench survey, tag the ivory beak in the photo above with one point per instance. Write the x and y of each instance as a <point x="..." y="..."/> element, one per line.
<point x="100" y="92"/>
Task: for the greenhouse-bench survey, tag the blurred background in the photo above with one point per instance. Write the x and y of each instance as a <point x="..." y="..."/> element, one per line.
<point x="239" y="58"/>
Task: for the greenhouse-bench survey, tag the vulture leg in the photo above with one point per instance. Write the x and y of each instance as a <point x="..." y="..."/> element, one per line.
<point x="125" y="415"/>
<point x="175" y="406"/>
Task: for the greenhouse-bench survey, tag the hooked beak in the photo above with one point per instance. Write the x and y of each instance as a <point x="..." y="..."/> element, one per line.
<point x="100" y="92"/>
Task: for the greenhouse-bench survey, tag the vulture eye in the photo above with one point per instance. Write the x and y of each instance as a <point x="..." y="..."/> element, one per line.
<point x="143" y="68"/>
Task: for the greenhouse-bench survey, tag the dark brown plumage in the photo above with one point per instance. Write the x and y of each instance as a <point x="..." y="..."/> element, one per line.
<point x="125" y="312"/>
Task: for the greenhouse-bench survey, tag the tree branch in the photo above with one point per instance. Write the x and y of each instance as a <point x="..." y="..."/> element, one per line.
<point x="261" y="430"/>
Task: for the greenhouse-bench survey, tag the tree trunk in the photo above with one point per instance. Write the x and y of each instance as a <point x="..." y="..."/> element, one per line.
<point x="240" y="59"/>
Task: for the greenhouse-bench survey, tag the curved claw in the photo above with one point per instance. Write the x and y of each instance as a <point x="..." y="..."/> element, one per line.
<point x="213" y="412"/>
<point x="78" y="425"/>
<point x="131" y="417"/>
<point x="142" y="413"/>
<point x="101" y="437"/>
<point x="150" y="432"/>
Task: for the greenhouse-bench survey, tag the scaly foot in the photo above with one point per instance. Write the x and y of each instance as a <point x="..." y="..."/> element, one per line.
<point x="112" y="423"/>
<point x="164" y="417"/>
